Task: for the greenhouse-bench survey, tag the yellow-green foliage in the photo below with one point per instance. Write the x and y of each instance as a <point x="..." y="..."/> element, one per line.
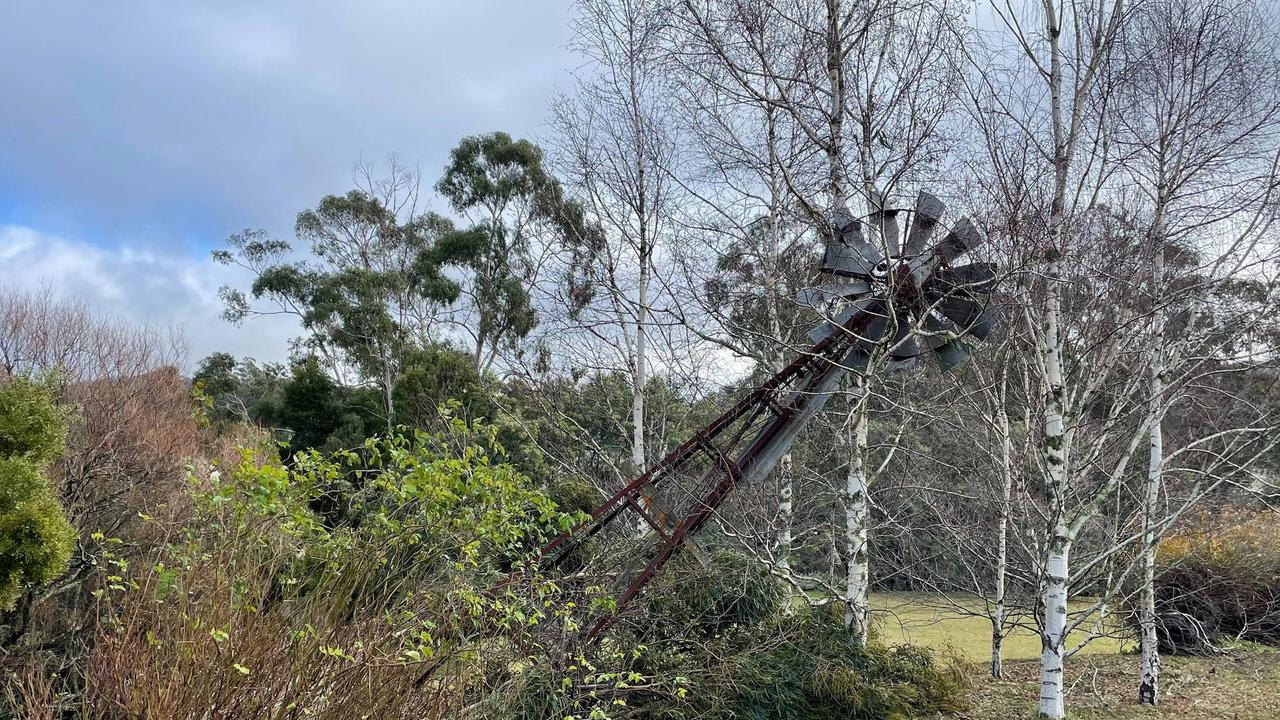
<point x="35" y="538"/>
<point x="31" y="425"/>
<point x="263" y="607"/>
<point x="1219" y="579"/>
<point x="1225" y="537"/>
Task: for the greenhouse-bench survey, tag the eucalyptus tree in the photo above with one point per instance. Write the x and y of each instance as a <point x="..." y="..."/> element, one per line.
<point x="374" y="283"/>
<point x="516" y="209"/>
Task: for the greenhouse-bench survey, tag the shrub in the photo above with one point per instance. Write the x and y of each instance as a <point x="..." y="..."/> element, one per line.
<point x="733" y="590"/>
<point x="257" y="608"/>
<point x="35" y="538"/>
<point x="1219" y="580"/>
<point x="717" y="643"/>
<point x="815" y="669"/>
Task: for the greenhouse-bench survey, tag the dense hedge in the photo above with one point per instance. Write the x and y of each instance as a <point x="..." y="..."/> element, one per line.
<point x="723" y="642"/>
<point x="1219" y="581"/>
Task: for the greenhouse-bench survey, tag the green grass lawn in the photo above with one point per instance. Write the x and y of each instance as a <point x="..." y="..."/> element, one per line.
<point x="959" y="625"/>
<point x="1102" y="679"/>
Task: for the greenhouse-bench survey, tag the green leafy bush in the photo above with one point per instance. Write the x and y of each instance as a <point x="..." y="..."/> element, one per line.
<point x="719" y="643"/>
<point x="35" y="538"/>
<point x="807" y="666"/>
<point x="259" y="608"/>
<point x="690" y="600"/>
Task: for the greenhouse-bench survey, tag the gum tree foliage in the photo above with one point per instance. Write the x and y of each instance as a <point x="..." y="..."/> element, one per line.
<point x="238" y="390"/>
<point x="374" y="283"/>
<point x="35" y="538"/>
<point x="502" y="187"/>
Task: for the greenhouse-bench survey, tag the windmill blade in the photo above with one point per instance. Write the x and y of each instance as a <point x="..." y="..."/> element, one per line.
<point x="964" y="236"/>
<point x="850" y="254"/>
<point x="928" y="210"/>
<point x="950" y="354"/>
<point x="976" y="277"/>
<point x="876" y="330"/>
<point x="972" y="317"/>
<point x="942" y="340"/>
<point x="825" y="329"/>
<point x="885" y="222"/>
<point x="856" y="360"/>
<point x="961" y="239"/>
<point x="904" y="364"/>
<point x="904" y="344"/>
<point x="823" y="294"/>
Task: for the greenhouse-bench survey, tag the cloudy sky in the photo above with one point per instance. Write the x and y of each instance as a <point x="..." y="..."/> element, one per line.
<point x="133" y="141"/>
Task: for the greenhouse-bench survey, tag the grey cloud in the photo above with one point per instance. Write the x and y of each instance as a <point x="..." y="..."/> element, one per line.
<point x="174" y="123"/>
<point x="135" y="136"/>
<point x="168" y="290"/>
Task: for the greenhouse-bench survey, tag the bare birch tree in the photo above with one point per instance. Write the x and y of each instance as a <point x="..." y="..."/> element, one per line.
<point x="879" y="66"/>
<point x="611" y="150"/>
<point x="1197" y="111"/>
<point x="1061" y="61"/>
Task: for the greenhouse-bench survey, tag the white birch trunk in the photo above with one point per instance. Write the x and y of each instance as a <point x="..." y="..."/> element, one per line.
<point x="640" y="370"/>
<point x="786" y="481"/>
<point x="785" y="515"/>
<point x="1058" y="545"/>
<point x="857" y="513"/>
<point x="637" y="391"/>
<point x="1053" y="639"/>
<point x="640" y="363"/>
<point x="1002" y="535"/>
<point x="1057" y="549"/>
<point x="1149" y="682"/>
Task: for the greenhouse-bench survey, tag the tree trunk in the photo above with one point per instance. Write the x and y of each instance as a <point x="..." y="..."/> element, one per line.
<point x="835" y="112"/>
<point x="1053" y="638"/>
<point x="785" y="514"/>
<point x="1149" y="683"/>
<point x="1002" y="538"/>
<point x="637" y="391"/>
<point x="1056" y="560"/>
<point x="1058" y="545"/>
<point x="388" y="392"/>
<point x="773" y="290"/>
<point x="1056" y="567"/>
<point x="857" y="512"/>
<point x="388" y="385"/>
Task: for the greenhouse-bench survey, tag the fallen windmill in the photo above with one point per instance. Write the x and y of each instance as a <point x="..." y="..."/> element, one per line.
<point x="906" y="299"/>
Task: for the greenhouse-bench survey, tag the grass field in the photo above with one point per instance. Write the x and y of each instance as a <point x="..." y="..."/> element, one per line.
<point x="1238" y="686"/>
<point x="958" y="624"/>
<point x="1102" y="679"/>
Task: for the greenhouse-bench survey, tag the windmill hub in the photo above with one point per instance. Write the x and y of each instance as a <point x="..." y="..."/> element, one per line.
<point x="920" y="294"/>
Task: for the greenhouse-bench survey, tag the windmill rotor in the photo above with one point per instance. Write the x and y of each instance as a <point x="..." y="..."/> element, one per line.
<point x="933" y="305"/>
